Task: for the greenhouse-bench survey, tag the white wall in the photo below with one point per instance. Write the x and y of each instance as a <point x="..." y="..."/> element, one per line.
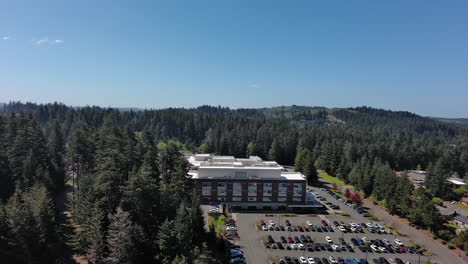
<point x="230" y="172"/>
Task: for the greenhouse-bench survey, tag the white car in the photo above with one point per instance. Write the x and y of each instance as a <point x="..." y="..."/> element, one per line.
<point x="369" y="225"/>
<point x="303" y="260"/>
<point x="333" y="260"/>
<point x="309" y="223"/>
<point x="342" y="229"/>
<point x="271" y="222"/>
<point x="374" y="248"/>
<point x="334" y="247"/>
<point x="294" y="247"/>
<point x="386" y="242"/>
<point x="264" y="228"/>
<point x="382" y="249"/>
<point x="301" y="246"/>
<point x="328" y="239"/>
<point x="398" y="242"/>
<point x="311" y="260"/>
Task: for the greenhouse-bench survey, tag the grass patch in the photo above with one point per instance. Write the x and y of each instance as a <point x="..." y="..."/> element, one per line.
<point x="339" y="194"/>
<point x="373" y="217"/>
<point x="341" y="213"/>
<point x="462" y="206"/>
<point x="395" y="231"/>
<point x="332" y="179"/>
<point x="453" y="226"/>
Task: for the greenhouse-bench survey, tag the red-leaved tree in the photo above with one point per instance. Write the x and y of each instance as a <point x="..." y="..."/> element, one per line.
<point x="334" y="187"/>
<point x="347" y="193"/>
<point x="356" y="198"/>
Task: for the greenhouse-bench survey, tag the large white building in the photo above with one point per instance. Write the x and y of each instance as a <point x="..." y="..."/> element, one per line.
<point x="247" y="183"/>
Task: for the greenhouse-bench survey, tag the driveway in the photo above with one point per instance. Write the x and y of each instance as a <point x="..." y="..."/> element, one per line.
<point x="459" y="210"/>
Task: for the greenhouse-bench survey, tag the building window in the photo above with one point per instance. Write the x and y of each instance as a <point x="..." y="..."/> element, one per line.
<point x="282" y="189"/>
<point x="252" y="189"/>
<point x="206" y="188"/>
<point x="267" y="189"/>
<point x="222" y="198"/>
<point x="267" y="199"/>
<point x="237" y="189"/>
<point x="297" y="199"/>
<point x="252" y="198"/>
<point x="236" y="198"/>
<point x="222" y="189"/>
<point x="281" y="199"/>
<point x="297" y="189"/>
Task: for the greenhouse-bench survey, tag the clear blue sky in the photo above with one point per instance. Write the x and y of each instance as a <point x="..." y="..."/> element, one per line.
<point x="401" y="55"/>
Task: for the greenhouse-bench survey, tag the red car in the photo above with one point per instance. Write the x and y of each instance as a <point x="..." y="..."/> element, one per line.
<point x="306" y="229"/>
<point x="324" y="223"/>
<point x="290" y="239"/>
<point x="262" y="222"/>
<point x="402" y="249"/>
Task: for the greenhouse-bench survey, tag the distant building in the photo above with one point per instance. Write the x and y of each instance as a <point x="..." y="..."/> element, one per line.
<point x="419" y="177"/>
<point x="456" y="182"/>
<point x="416" y="177"/>
<point x="461" y="221"/>
<point x="446" y="212"/>
<point x="247" y="183"/>
<point x="464" y="201"/>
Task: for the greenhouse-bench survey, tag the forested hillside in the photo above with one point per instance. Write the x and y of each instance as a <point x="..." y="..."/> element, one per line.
<point x="131" y="179"/>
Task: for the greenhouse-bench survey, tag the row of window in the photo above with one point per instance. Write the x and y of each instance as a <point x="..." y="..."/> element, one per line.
<point x="254" y="199"/>
<point x="252" y="189"/>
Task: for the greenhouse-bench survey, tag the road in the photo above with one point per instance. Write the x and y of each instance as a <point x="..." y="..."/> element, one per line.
<point x="440" y="252"/>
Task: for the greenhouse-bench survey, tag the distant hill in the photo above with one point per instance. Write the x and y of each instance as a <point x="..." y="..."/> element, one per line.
<point x="354" y="119"/>
<point x="460" y="122"/>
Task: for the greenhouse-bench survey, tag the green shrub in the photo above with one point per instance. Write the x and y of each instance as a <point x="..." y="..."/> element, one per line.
<point x="445" y="235"/>
<point x="437" y="201"/>
<point x="450" y="246"/>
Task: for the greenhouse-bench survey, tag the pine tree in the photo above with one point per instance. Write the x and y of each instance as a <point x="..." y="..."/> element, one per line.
<point x="300" y="159"/>
<point x="309" y="170"/>
<point x="122" y="238"/>
<point x="275" y="152"/>
<point x="57" y="152"/>
<point x="95" y="236"/>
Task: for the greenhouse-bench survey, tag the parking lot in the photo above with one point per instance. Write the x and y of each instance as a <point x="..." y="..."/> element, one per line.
<point x="258" y="249"/>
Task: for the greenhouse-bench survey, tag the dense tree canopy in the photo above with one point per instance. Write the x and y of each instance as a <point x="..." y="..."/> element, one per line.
<point x="133" y="201"/>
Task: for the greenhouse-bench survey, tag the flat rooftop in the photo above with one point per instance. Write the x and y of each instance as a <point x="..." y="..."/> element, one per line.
<point x="291" y="176"/>
<point x="213" y="161"/>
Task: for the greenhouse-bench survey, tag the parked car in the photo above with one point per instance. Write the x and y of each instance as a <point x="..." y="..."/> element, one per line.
<point x="398" y="242"/>
<point x="328" y="239"/>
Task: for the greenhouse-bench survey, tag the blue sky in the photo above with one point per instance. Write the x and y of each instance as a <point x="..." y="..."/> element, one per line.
<point x="400" y="55"/>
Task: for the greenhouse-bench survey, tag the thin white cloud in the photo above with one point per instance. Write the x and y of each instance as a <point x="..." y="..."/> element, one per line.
<point x="6" y="38"/>
<point x="46" y="40"/>
<point x="255" y="85"/>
